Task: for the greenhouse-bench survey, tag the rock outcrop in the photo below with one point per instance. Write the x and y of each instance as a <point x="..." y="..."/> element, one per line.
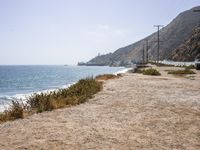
<point x="190" y="49"/>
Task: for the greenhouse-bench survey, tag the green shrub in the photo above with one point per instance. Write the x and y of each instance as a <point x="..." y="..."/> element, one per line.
<point x="190" y="67"/>
<point x="139" y="70"/>
<point x="75" y="94"/>
<point x="181" y="72"/>
<point x="151" y="71"/>
<point x="40" y="102"/>
<point x="14" y="112"/>
<point x="107" y="76"/>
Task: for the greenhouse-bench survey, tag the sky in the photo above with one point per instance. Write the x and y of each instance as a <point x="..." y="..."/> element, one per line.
<point x="54" y="32"/>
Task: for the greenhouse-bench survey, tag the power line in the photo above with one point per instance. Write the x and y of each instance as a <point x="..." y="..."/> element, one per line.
<point x="147" y="43"/>
<point x="158" y="41"/>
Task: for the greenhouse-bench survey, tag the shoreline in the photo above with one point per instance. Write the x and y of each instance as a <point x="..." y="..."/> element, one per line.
<point x="23" y="96"/>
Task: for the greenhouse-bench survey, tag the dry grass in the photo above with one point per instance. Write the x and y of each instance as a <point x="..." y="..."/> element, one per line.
<point x="181" y="72"/>
<point x="15" y="111"/>
<point x="138" y="70"/>
<point x="76" y="94"/>
<point x="190" y="67"/>
<point x="107" y="76"/>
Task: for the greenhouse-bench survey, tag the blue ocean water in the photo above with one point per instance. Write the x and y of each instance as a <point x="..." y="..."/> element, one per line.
<point x="18" y="81"/>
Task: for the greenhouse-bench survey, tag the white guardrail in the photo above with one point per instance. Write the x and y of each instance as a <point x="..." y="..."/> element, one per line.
<point x="175" y="63"/>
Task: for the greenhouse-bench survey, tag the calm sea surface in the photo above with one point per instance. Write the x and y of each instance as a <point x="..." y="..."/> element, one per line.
<point x="17" y="82"/>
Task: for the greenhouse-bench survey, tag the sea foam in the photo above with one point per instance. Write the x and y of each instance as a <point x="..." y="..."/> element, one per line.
<point x="123" y="71"/>
<point x="6" y="100"/>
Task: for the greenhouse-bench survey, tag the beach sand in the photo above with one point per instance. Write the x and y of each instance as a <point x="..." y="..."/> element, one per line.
<point x="132" y="112"/>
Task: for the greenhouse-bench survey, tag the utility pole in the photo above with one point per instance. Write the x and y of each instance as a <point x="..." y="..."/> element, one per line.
<point x="147" y="51"/>
<point x="158" y="42"/>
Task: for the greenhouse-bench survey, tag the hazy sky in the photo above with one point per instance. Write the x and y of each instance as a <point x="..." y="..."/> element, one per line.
<point x="68" y="31"/>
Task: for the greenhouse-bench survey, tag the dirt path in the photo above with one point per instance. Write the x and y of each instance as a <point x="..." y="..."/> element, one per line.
<point x="133" y="112"/>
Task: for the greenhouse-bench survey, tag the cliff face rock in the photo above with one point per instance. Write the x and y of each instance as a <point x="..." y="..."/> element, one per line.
<point x="190" y="49"/>
<point x="172" y="36"/>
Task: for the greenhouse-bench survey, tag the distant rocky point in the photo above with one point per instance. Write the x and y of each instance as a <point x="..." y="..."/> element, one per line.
<point x="88" y="64"/>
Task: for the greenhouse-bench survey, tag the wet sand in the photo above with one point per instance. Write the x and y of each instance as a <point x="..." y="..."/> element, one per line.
<point x="132" y="112"/>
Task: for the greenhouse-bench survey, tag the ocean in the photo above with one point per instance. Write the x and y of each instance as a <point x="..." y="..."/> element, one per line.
<point x="19" y="82"/>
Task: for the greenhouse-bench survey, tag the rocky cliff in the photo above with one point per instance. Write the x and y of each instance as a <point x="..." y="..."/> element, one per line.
<point x="172" y="36"/>
<point x="190" y="49"/>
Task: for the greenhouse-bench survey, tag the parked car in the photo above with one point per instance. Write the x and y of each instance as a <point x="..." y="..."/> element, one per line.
<point x="197" y="64"/>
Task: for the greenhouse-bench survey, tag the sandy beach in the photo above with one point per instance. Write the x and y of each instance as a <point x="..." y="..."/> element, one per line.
<point x="132" y="112"/>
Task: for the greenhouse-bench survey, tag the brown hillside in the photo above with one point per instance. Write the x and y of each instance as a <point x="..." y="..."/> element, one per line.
<point x="190" y="49"/>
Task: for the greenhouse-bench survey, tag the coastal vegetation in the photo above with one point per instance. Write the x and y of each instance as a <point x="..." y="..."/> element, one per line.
<point x="107" y="76"/>
<point x="190" y="67"/>
<point x="15" y="111"/>
<point x="138" y="70"/>
<point x="151" y="71"/>
<point x="74" y="95"/>
<point x="181" y="71"/>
